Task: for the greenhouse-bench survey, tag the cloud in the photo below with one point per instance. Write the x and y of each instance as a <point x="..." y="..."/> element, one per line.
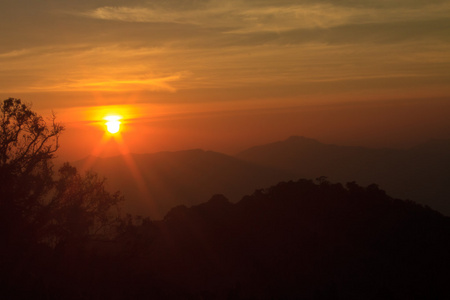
<point x="243" y="17"/>
<point x="82" y="68"/>
<point x="225" y="45"/>
<point x="14" y="53"/>
<point x="146" y="84"/>
<point x="111" y="84"/>
<point x="131" y="14"/>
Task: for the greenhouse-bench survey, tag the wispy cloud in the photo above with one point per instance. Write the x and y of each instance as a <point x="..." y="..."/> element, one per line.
<point x="145" y="84"/>
<point x="81" y="68"/>
<point x="14" y="53"/>
<point x="132" y="14"/>
<point x="113" y="85"/>
<point x="243" y="17"/>
<point x="226" y="45"/>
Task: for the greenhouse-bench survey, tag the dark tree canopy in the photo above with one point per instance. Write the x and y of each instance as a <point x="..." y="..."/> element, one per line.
<point x="26" y="139"/>
<point x="40" y="208"/>
<point x="82" y="207"/>
<point x="27" y="145"/>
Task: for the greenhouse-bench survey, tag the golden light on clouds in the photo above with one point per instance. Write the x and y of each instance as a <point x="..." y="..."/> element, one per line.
<point x="248" y="17"/>
<point x="111" y="112"/>
<point x="112" y="85"/>
<point x="152" y="84"/>
<point x="157" y="63"/>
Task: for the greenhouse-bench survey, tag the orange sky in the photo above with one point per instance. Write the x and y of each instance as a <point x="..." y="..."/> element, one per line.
<point x="226" y="75"/>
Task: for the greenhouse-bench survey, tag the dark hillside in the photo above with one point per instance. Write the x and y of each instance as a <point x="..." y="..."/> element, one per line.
<point x="421" y="173"/>
<point x="300" y="239"/>
<point x="295" y="240"/>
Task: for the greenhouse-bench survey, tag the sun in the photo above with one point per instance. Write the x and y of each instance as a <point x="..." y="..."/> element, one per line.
<point x="113" y="124"/>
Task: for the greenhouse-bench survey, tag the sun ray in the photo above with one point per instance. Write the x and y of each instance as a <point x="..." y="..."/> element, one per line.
<point x="112" y="137"/>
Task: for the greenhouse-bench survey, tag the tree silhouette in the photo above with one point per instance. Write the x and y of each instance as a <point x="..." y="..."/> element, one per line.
<point x="27" y="144"/>
<point x="82" y="209"/>
<point x="41" y="211"/>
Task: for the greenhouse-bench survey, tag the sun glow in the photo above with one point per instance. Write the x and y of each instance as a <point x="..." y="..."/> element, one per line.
<point x="113" y="124"/>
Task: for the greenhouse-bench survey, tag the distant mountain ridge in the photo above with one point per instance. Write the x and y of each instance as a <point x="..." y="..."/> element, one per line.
<point x="310" y="159"/>
<point x="421" y="173"/>
<point x="154" y="183"/>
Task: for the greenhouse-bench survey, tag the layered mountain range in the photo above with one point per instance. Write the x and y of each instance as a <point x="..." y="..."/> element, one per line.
<point x="154" y="183"/>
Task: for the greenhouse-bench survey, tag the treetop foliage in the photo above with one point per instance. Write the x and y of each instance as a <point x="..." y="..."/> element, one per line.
<point x="26" y="138"/>
<point x="39" y="206"/>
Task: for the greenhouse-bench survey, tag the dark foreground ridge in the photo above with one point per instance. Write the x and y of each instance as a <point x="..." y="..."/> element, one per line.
<point x="295" y="240"/>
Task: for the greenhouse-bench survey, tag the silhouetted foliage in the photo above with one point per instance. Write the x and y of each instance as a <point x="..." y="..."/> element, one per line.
<point x="41" y="213"/>
<point x="298" y="240"/>
<point x="27" y="144"/>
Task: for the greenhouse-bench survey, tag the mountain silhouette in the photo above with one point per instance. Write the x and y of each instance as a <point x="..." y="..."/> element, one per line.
<point x="294" y="240"/>
<point x="421" y="173"/>
<point x="155" y="183"/>
<point x="298" y="240"/>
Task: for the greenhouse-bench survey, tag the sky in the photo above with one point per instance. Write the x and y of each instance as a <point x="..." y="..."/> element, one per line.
<point x="227" y="75"/>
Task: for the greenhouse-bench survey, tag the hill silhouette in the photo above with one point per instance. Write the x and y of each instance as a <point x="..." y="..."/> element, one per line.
<point x="160" y="181"/>
<point x="421" y="173"/>
<point x="155" y="183"/>
<point x="301" y="239"/>
<point x="294" y="240"/>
